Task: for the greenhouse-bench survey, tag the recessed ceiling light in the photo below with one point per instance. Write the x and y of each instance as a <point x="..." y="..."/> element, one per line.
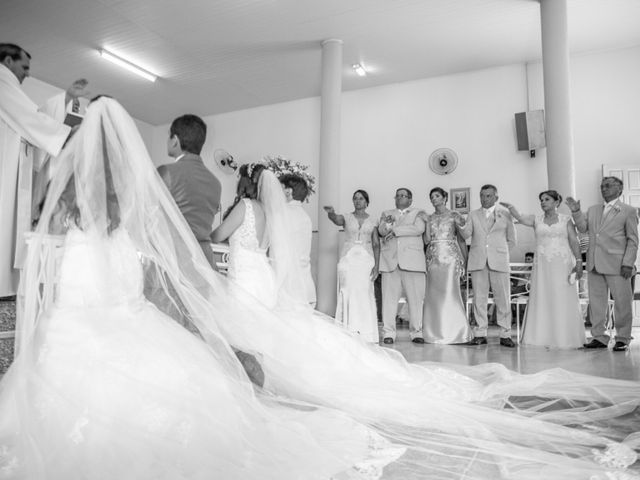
<point x="359" y="69"/>
<point x="128" y="65"/>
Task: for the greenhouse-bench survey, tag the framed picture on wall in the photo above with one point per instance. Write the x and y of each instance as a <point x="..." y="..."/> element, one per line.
<point x="460" y="199"/>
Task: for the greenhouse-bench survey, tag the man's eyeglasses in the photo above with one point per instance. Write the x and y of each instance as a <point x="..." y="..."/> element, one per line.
<point x="401" y="195"/>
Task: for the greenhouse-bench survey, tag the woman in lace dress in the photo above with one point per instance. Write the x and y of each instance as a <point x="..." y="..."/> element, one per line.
<point x="553" y="317"/>
<point x="105" y="385"/>
<point x="357" y="269"/>
<point x="444" y="318"/>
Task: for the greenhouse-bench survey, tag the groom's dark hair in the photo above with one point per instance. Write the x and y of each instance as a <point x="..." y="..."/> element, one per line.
<point x="191" y="131"/>
<point x="297" y="184"/>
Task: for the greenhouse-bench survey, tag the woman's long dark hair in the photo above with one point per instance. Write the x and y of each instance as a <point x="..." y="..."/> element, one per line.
<point x="247" y="184"/>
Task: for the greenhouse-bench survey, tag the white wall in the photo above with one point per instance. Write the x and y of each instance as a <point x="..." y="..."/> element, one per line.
<point x="388" y="133"/>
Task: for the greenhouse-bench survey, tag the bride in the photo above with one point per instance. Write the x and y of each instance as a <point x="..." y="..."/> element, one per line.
<point x="106" y="386"/>
<point x="457" y="422"/>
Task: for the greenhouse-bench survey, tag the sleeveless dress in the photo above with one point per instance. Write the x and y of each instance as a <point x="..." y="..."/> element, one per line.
<point x="444" y="316"/>
<point x="553" y="316"/>
<point x="111" y="388"/>
<point x="356" y="306"/>
<point x="249" y="269"/>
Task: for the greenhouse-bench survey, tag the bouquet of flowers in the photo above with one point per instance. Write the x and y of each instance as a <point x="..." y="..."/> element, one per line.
<point x="283" y="166"/>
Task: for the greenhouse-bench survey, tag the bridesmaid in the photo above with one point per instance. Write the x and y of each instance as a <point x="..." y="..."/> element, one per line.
<point x="553" y="317"/>
<point x="444" y="316"/>
<point x="357" y="269"/>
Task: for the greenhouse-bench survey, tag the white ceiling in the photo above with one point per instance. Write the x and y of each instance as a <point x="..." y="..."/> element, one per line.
<point x="216" y="56"/>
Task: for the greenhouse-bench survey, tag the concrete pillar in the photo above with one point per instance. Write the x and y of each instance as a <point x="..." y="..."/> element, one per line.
<point x="329" y="181"/>
<point x="557" y="99"/>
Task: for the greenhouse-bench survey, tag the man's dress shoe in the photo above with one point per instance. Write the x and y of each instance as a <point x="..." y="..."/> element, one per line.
<point x="417" y="340"/>
<point x="388" y="340"/>
<point x="478" y="341"/>
<point x="620" y="347"/>
<point x="595" y="344"/>
<point x="507" y="342"/>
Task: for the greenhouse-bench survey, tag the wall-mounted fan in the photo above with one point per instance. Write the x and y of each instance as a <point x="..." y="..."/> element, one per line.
<point x="225" y="161"/>
<point x="443" y="161"/>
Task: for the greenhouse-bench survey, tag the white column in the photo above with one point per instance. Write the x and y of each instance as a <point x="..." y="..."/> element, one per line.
<point x="329" y="181"/>
<point x="557" y="99"/>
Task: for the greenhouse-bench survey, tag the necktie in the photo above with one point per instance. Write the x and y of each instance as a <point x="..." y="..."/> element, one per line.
<point x="606" y="211"/>
<point x="75" y="106"/>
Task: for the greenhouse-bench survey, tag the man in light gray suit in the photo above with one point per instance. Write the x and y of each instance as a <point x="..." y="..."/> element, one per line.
<point x="402" y="265"/>
<point x="611" y="257"/>
<point x="492" y="235"/>
<point x="192" y="185"/>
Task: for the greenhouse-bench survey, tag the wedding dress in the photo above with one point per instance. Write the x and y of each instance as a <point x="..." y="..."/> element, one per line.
<point x="356" y="306"/>
<point x="106" y="386"/>
<point x="553" y="316"/>
<point x="457" y="422"/>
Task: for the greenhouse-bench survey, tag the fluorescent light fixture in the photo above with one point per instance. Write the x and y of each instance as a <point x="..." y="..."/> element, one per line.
<point x="359" y="69"/>
<point x="128" y="65"/>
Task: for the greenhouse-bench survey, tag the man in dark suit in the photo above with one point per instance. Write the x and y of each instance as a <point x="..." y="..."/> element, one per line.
<point x="611" y="257"/>
<point x="194" y="188"/>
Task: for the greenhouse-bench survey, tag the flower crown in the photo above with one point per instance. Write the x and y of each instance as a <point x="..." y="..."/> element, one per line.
<point x="281" y="166"/>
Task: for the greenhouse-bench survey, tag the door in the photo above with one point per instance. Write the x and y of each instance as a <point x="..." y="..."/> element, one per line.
<point x="630" y="176"/>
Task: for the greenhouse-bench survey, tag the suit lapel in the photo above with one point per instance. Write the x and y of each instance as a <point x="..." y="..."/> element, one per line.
<point x="610" y="216"/>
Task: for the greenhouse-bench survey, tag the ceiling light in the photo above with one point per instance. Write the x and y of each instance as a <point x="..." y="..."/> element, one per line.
<point x="128" y="66"/>
<point x="359" y="69"/>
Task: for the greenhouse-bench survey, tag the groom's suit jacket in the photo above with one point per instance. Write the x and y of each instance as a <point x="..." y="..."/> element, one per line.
<point x="197" y="192"/>
<point x="406" y="249"/>
<point x="491" y="239"/>
<point x="613" y="242"/>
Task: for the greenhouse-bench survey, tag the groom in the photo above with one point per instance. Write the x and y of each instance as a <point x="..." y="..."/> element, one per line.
<point x="492" y="235"/>
<point x="613" y="246"/>
<point x="192" y="185"/>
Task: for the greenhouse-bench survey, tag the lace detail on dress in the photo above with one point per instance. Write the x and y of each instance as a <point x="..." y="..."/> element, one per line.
<point x="356" y="234"/>
<point x="8" y="463"/>
<point x="551" y="240"/>
<point x="443" y="246"/>
<point x="617" y="455"/>
<point x="245" y="235"/>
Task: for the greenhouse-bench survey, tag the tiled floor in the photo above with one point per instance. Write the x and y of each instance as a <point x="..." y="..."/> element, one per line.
<point x="526" y="358"/>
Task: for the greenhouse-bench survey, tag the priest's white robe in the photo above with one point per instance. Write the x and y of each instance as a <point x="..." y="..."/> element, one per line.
<point x="22" y="127"/>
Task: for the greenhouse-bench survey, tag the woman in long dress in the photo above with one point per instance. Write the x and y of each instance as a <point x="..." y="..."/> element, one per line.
<point x="553" y="316"/>
<point x="458" y="422"/>
<point x="444" y="316"/>
<point x="105" y="385"/>
<point x="357" y="269"/>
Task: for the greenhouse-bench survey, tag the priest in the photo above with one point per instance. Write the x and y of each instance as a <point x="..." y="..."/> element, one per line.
<point x="22" y="127"/>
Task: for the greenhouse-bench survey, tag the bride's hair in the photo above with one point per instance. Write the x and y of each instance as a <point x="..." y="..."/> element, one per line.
<point x="68" y="208"/>
<point x="247" y="184"/>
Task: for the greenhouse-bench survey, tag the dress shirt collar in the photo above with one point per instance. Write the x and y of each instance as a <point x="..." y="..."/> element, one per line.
<point x="402" y="212"/>
<point x="611" y="203"/>
<point x="489" y="211"/>
<point x="180" y="156"/>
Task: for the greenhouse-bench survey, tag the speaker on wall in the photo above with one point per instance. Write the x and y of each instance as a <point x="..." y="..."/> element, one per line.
<point x="530" y="130"/>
